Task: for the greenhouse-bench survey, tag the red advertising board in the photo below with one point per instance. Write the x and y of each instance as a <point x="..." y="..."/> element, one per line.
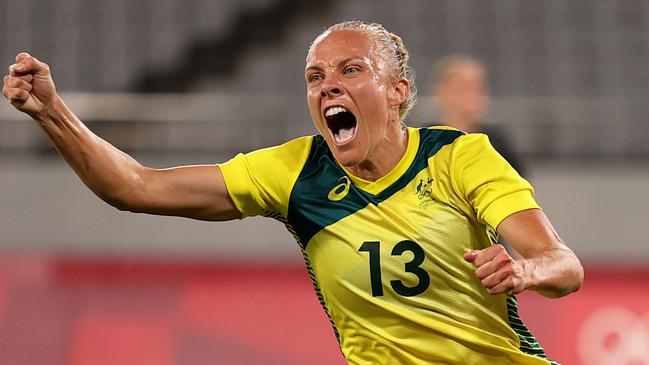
<point x="84" y="311"/>
<point x="605" y="323"/>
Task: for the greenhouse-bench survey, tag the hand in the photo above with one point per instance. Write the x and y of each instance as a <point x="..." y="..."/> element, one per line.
<point x="29" y="86"/>
<point x="498" y="271"/>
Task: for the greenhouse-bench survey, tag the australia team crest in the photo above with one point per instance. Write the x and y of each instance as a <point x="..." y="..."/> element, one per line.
<point x="424" y="192"/>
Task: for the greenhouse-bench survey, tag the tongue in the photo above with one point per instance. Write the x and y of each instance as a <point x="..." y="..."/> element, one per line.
<point x="345" y="134"/>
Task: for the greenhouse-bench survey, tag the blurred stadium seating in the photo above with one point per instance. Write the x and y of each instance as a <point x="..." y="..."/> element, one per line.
<point x="195" y="81"/>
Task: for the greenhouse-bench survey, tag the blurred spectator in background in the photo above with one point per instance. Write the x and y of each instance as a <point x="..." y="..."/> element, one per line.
<point x="459" y="85"/>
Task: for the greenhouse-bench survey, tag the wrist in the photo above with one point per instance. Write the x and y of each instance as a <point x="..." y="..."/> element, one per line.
<point x="530" y="278"/>
<point x="52" y="110"/>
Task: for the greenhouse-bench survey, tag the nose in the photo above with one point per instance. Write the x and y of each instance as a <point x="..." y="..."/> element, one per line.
<point x="330" y="88"/>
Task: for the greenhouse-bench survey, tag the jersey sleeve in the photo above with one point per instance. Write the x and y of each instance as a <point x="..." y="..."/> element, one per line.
<point x="260" y="182"/>
<point x="487" y="181"/>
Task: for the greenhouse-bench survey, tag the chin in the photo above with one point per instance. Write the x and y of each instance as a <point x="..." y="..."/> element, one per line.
<point x="347" y="156"/>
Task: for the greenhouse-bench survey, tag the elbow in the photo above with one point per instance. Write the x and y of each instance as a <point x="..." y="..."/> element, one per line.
<point x="128" y="205"/>
<point x="130" y="197"/>
<point x="578" y="275"/>
<point x="574" y="277"/>
<point x="120" y="203"/>
<point x="574" y="272"/>
<point x="130" y="200"/>
<point x="568" y="277"/>
<point x="124" y="207"/>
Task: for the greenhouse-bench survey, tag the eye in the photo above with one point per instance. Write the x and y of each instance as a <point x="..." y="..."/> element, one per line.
<point x="316" y="77"/>
<point x="351" y="70"/>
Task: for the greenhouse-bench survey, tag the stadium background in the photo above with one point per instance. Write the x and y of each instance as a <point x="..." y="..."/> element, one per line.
<point x="195" y="81"/>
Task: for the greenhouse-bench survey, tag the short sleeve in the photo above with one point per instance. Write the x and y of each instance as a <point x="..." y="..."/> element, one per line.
<point x="487" y="181"/>
<point x="260" y="182"/>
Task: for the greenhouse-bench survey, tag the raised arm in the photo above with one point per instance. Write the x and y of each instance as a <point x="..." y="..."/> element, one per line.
<point x="547" y="265"/>
<point x="191" y="191"/>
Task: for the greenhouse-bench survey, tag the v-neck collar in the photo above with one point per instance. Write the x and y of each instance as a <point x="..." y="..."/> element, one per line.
<point x="376" y="187"/>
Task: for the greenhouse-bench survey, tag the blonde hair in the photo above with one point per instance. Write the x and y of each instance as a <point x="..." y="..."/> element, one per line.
<point x="389" y="48"/>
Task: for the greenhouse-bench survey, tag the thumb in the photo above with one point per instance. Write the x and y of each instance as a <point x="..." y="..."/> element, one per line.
<point x="471" y="255"/>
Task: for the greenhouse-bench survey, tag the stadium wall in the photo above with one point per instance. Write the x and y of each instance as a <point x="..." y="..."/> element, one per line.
<point x="600" y="212"/>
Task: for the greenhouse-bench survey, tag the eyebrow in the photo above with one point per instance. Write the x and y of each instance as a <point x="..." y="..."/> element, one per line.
<point x="345" y="61"/>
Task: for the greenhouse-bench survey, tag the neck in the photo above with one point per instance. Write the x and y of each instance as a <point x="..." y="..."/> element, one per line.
<point x="462" y="123"/>
<point x="384" y="157"/>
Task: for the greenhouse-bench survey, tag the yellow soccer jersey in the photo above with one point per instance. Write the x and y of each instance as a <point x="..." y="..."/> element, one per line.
<point x="386" y="257"/>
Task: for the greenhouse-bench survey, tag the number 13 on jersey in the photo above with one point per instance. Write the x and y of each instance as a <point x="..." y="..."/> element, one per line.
<point x="373" y="248"/>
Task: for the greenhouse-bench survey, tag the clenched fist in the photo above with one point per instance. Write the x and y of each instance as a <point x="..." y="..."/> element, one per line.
<point x="29" y="86"/>
<point x="498" y="271"/>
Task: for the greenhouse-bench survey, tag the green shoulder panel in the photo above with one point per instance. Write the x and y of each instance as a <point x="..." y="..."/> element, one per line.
<point x="323" y="194"/>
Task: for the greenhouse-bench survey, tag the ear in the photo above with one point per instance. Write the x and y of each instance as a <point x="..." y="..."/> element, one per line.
<point x="398" y="92"/>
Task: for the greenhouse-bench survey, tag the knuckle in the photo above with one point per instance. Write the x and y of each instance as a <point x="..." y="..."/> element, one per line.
<point x="505" y="261"/>
<point x="480" y="260"/>
<point x="18" y="93"/>
<point x="500" y="261"/>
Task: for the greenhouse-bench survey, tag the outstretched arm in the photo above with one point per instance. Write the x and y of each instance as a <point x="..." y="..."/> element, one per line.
<point x="192" y="191"/>
<point x="547" y="266"/>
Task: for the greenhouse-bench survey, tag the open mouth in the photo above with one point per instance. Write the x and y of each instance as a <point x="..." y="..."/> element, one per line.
<point x="341" y="123"/>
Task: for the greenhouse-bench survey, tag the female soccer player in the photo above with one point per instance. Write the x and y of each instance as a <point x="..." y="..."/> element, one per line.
<point x="397" y="225"/>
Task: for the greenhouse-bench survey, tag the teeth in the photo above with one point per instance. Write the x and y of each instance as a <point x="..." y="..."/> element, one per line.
<point x="335" y="110"/>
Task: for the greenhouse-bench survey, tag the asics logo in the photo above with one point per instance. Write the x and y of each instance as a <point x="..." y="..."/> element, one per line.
<point x="339" y="191"/>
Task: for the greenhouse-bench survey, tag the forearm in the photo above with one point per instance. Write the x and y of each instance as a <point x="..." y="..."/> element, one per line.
<point x="190" y="191"/>
<point x="547" y="265"/>
<point x="554" y="273"/>
<point x="111" y="174"/>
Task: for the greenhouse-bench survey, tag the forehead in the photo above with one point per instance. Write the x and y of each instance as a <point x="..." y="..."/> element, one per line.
<point x="339" y="45"/>
<point x="465" y="71"/>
